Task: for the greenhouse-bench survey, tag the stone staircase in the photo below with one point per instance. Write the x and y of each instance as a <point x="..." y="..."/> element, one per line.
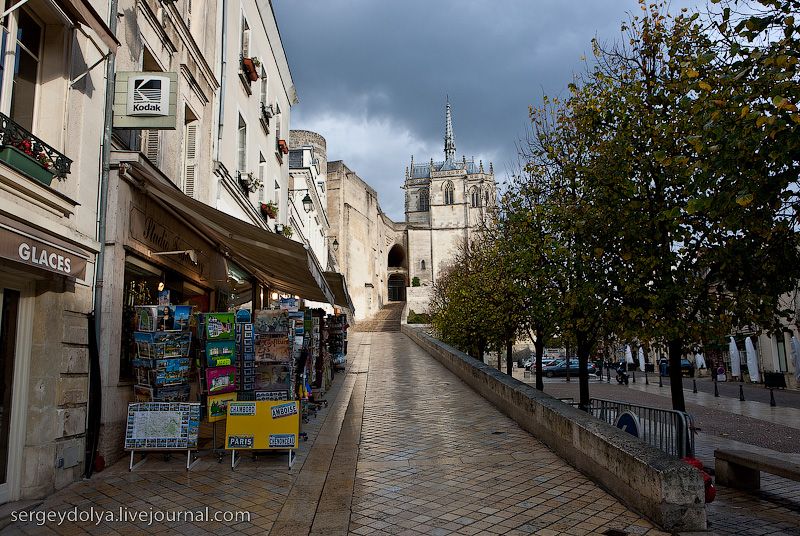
<point x="387" y="319"/>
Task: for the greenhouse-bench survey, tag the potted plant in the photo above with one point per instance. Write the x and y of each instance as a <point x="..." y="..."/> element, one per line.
<point x="283" y="146"/>
<point x="270" y="210"/>
<point x="249" y="68"/>
<point x="287" y="231"/>
<point x="22" y="157"/>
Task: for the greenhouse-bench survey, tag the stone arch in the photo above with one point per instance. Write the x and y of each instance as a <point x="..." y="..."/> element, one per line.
<point x="396" y="257"/>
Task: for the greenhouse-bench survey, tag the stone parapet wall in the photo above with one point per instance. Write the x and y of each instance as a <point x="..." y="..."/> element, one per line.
<point x="656" y="485"/>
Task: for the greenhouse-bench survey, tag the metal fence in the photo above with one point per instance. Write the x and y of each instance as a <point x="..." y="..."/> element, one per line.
<point x="666" y="429"/>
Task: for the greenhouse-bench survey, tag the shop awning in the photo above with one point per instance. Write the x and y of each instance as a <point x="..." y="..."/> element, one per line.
<point x="284" y="264"/>
<point x="340" y="295"/>
<point x="83" y="12"/>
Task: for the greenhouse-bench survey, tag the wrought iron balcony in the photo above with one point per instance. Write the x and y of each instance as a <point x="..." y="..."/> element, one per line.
<point x="30" y="155"/>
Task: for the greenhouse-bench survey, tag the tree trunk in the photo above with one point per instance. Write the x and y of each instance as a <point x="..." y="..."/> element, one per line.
<point x="675" y="347"/>
<point x="568" y="360"/>
<point x="539" y="345"/>
<point x="481" y="349"/>
<point x="509" y="357"/>
<point x="499" y="357"/>
<point x="584" y="349"/>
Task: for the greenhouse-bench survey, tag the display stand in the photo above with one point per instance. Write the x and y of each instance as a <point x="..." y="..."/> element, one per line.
<point x="191" y="458"/>
<point x="266" y="425"/>
<point x="235" y="461"/>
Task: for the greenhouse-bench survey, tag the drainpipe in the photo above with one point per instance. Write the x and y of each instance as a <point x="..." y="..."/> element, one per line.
<point x="95" y="386"/>
<point x="223" y="64"/>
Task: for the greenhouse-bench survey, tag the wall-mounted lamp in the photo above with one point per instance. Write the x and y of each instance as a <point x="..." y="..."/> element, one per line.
<point x="274" y="296"/>
<point x="308" y="203"/>
<point x="279" y="228"/>
<point x="335" y="245"/>
<point x="190" y="252"/>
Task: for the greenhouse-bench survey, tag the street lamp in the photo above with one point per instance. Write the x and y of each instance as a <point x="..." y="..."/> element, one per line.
<point x="308" y="204"/>
<point x="335" y="245"/>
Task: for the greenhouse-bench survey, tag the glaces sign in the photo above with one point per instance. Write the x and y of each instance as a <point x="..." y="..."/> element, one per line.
<point x="148" y="95"/>
<point x="23" y="247"/>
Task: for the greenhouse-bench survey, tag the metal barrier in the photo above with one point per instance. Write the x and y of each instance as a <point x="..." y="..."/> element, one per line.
<point x="666" y="429"/>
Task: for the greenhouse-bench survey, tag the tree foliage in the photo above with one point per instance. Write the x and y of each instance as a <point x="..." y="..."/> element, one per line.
<point x="659" y="198"/>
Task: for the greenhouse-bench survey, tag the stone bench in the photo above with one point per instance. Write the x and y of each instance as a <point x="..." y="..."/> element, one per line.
<point x="742" y="469"/>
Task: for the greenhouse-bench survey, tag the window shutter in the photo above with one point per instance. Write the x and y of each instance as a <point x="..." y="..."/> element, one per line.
<point x="150" y="144"/>
<point x="245" y="40"/>
<point x="190" y="160"/>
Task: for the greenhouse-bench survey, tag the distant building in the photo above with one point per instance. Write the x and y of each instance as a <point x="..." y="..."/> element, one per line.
<point x="446" y="203"/>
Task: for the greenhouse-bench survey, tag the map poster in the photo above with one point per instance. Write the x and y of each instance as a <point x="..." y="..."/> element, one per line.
<point x="162" y="426"/>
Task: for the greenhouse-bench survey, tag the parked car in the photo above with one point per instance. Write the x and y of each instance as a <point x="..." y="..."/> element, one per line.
<point x="559" y="368"/>
<point x="687" y="367"/>
<point x="530" y="363"/>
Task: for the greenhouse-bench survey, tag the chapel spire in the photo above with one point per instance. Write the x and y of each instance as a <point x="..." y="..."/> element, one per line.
<point x="449" y="142"/>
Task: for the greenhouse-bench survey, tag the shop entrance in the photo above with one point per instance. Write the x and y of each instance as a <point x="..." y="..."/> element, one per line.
<point x="9" y="306"/>
<point x="397" y="288"/>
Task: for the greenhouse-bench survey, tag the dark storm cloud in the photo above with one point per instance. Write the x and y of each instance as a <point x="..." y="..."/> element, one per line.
<point x="372" y="75"/>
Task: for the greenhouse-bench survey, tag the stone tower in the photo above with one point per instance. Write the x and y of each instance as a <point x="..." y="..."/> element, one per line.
<point x="446" y="202"/>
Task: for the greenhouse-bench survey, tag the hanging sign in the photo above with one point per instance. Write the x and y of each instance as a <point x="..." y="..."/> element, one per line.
<point x="145" y="100"/>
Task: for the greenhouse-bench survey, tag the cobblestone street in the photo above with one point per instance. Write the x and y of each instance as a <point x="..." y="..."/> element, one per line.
<point x="434" y="458"/>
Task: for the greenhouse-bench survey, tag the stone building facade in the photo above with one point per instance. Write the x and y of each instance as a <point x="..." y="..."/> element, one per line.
<point x="51" y="119"/>
<point x="446" y="203"/>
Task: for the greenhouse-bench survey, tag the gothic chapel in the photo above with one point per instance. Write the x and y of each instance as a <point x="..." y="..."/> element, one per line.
<point x="446" y="203"/>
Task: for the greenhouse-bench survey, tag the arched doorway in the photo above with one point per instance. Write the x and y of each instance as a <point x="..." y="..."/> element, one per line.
<point x="397" y="257"/>
<point x="397" y="288"/>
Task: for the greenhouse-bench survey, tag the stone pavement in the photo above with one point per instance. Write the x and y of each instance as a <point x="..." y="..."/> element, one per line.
<point x="775" y="508"/>
<point x="403" y="448"/>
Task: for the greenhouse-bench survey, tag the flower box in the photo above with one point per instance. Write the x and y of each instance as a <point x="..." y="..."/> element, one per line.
<point x="249" y="68"/>
<point x="26" y="164"/>
<point x="270" y="211"/>
<point x="283" y="146"/>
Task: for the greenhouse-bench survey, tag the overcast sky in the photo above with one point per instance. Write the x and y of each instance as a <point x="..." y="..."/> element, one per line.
<point x="372" y="75"/>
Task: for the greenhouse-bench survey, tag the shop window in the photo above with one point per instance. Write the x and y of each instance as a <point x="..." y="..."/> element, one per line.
<point x="239" y="294"/>
<point x="424" y="200"/>
<point x="142" y="284"/>
<point x="449" y="193"/>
